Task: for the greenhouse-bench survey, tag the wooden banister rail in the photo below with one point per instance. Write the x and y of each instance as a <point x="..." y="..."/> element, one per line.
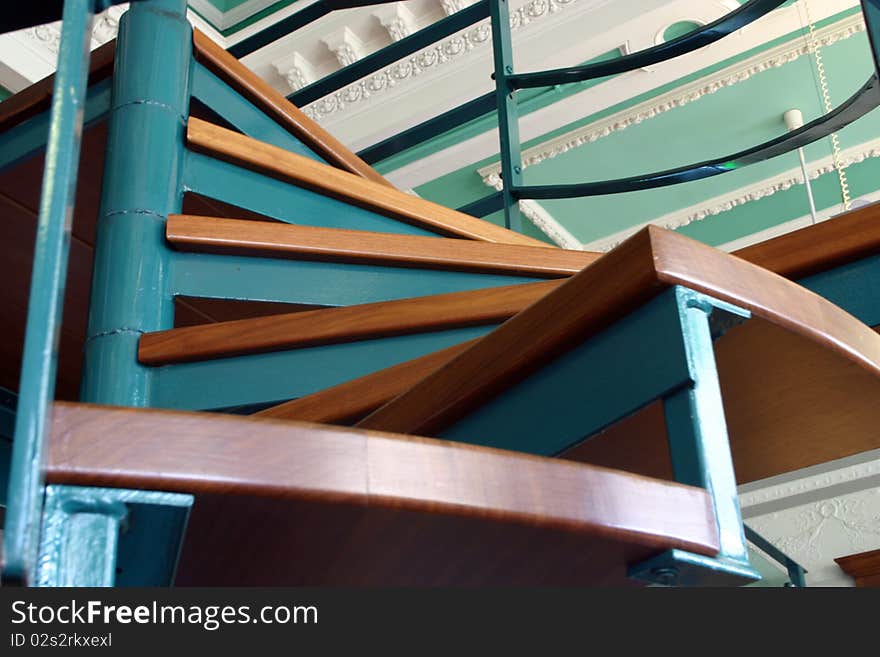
<point x="270" y="239"/>
<point x="298" y="170"/>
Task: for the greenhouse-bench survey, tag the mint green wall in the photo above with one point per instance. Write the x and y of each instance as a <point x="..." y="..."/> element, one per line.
<point x="718" y="124"/>
<point x="4" y="94"/>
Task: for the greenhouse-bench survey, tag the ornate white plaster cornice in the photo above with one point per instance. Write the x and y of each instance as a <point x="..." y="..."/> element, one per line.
<point x="547" y="224"/>
<point x="296" y="70"/>
<point x="772" y="58"/>
<point x="452" y="49"/>
<point x="735" y="198"/>
<point x="397" y="20"/>
<point x="104" y="28"/>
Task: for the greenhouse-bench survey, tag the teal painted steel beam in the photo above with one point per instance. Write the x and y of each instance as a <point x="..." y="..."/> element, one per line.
<point x="638" y="359"/>
<point x="40" y="358"/>
<point x="8" y="404"/>
<point x="241" y="114"/>
<point x="111" y="537"/>
<point x="274" y="199"/>
<point x="28" y="138"/>
<point x="700" y="454"/>
<point x="142" y="186"/>
<point x="316" y="283"/>
<point x="795" y="571"/>
<point x="284" y="375"/>
<point x="508" y="117"/>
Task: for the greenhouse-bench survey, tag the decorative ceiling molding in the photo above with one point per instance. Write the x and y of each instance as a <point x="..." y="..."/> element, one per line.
<point x="737" y="197"/>
<point x="587" y="134"/>
<point x="397" y="20"/>
<point x="819" y="513"/>
<point x="547" y="224"/>
<point x="442" y="53"/>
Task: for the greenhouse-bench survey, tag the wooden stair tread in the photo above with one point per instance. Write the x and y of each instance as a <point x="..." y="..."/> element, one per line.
<point x="820" y="247"/>
<point x="352" y="400"/>
<point x="637" y="270"/>
<point x="244" y="151"/>
<point x="273" y="239"/>
<point x="342" y="324"/>
<point x="295" y="503"/>
<point x="273" y="103"/>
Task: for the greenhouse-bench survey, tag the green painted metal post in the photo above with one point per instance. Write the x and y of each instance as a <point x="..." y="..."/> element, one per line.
<point x="40" y="360"/>
<point x="508" y="118"/>
<point x="700" y="454"/>
<point x="111" y="536"/>
<point x="131" y="291"/>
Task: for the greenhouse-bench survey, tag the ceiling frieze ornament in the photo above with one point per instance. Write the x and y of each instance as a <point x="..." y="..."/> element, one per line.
<point x="296" y="70"/>
<point x="477" y="36"/>
<point x="397" y="20"/>
<point x="547" y="224"/>
<point x="452" y="6"/>
<point x="728" y="77"/>
<point x="346" y="45"/>
<point x="104" y="29"/>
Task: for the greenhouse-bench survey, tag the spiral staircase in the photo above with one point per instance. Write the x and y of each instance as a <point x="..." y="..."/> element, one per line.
<point x="295" y="374"/>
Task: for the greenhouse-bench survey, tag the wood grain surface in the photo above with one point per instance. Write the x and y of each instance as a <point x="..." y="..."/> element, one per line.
<point x="275" y="105"/>
<point x="343" y="324"/>
<point x="278" y="240"/>
<point x="637" y="270"/>
<point x="301" y="503"/>
<point x="299" y="170"/>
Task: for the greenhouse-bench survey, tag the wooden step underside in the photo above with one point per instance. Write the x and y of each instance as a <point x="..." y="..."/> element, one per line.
<point x="301" y="504"/>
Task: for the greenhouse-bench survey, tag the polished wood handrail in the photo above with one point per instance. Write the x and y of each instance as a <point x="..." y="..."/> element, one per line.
<point x="273" y="469"/>
<point x="275" y="105"/>
<point x="828" y="244"/>
<point x="272" y="239"/>
<point x="352" y="400"/>
<point x="638" y="269"/>
<point x="344" y="324"/>
<point x="299" y="170"/>
<point x="36" y="98"/>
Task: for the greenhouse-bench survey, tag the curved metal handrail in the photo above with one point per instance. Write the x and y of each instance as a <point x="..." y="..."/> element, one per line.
<point x="724" y="26"/>
<point x="863" y="101"/>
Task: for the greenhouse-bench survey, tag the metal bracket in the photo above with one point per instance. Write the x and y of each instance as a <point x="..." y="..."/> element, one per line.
<point x="111" y="537"/>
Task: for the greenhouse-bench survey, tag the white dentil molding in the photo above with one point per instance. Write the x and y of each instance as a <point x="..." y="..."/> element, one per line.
<point x="547" y="223"/>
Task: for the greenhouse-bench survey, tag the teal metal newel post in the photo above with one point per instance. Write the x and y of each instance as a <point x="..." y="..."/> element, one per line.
<point x="40" y="360"/>
<point x="508" y="118"/>
<point x="142" y="186"/>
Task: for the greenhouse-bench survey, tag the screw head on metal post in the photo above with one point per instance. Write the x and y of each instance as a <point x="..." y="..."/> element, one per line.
<point x="667" y="576"/>
<point x="517" y="169"/>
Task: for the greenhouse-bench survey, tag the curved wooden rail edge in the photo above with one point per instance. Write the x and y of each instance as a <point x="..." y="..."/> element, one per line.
<point x="296" y="169"/>
<point x="262" y="458"/>
<point x="273" y="103"/>
<point x="273" y="239"/>
<point x="645" y="264"/>
<point x="843" y="239"/>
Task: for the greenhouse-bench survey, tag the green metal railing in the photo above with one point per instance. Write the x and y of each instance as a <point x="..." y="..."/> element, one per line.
<point x="113" y="345"/>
